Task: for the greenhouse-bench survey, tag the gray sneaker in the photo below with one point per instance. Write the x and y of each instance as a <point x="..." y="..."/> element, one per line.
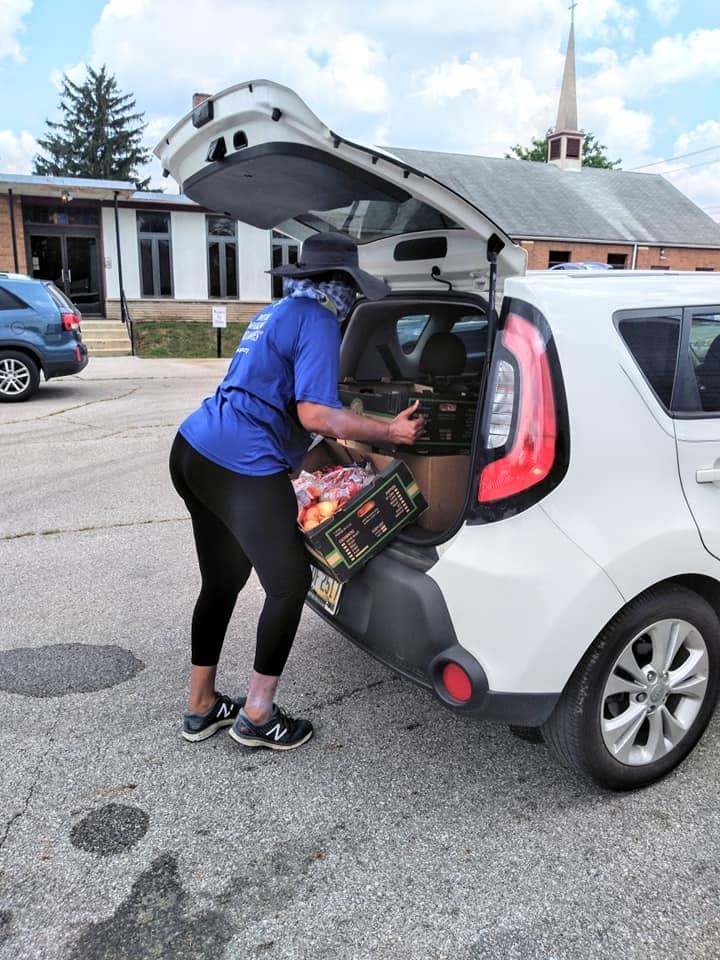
<point x="281" y="732"/>
<point x="200" y="726"/>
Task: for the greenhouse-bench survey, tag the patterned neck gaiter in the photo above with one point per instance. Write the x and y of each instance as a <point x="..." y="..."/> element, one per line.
<point x="341" y="295"/>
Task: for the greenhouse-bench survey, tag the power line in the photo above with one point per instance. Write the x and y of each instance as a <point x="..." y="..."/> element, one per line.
<point x="680" y="156"/>
<point x="691" y="166"/>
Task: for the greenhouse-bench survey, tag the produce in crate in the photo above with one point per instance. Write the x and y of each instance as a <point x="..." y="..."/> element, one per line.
<point x="322" y="493"/>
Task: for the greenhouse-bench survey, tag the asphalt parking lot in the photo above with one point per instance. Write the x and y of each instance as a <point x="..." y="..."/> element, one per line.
<point x="398" y="832"/>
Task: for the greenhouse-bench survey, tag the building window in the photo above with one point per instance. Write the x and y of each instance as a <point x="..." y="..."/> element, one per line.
<point x="155" y="261"/>
<point x="618" y="261"/>
<point x="222" y="257"/>
<point x="572" y="151"/>
<point x="704" y="269"/>
<point x="555" y="149"/>
<point x="285" y="250"/>
<point x="60" y="213"/>
<point x="558" y="256"/>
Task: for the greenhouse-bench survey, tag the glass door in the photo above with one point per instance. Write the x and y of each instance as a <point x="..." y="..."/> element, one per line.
<point x="47" y="259"/>
<point x="73" y="265"/>
<point x="81" y="273"/>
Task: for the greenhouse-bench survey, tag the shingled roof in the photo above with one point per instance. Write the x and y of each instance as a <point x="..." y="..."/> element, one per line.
<point x="531" y="200"/>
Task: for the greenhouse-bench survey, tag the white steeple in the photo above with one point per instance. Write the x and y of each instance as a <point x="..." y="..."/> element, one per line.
<point x="565" y="142"/>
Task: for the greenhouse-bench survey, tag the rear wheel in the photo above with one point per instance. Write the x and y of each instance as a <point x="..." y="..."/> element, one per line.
<point x="641" y="697"/>
<point x="19" y="376"/>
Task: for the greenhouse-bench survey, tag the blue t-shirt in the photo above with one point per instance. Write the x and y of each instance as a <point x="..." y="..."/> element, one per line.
<point x="289" y="353"/>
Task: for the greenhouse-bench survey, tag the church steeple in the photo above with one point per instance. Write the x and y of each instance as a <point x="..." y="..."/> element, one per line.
<point x="565" y="142"/>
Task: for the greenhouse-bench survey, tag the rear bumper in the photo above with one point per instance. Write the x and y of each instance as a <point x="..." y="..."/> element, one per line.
<point x="396" y="613"/>
<point x="67" y="365"/>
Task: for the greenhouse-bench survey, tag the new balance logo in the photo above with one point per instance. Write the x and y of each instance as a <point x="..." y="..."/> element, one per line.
<point x="277" y="732"/>
<point x="223" y="710"/>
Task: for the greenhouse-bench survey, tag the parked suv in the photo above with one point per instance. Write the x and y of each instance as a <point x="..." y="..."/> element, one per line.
<point x="39" y="332"/>
<point x="566" y="574"/>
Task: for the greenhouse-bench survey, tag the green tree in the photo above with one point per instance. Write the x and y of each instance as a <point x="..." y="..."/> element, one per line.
<point x="593" y="152"/>
<point x="99" y="135"/>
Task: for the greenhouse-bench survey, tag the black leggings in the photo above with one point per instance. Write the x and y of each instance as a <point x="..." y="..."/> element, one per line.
<point x="241" y="522"/>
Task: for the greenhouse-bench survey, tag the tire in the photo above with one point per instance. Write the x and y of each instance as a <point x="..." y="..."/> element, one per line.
<point x="19" y="376"/>
<point x="641" y="697"/>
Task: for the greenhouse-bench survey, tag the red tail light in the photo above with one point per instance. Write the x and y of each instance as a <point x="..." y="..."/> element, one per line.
<point x="70" y="321"/>
<point x="522" y="392"/>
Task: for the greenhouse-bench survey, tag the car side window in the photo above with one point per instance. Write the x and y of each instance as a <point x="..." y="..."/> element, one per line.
<point x="9" y="301"/>
<point x="653" y="341"/>
<point x="472" y="330"/>
<point x="409" y="330"/>
<point x="704" y="356"/>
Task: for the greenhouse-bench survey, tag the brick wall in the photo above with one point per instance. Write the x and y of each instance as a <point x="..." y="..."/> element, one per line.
<point x="7" y="261"/>
<point x="674" y="258"/>
<point x="237" y="311"/>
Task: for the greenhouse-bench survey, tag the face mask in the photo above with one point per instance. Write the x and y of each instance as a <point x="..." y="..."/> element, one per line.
<point x="342" y="295"/>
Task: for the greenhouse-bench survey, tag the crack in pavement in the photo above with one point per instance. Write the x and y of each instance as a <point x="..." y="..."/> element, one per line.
<point x="36" y="779"/>
<point x="351" y="693"/>
<point x="77" y="406"/>
<point x="100" y="526"/>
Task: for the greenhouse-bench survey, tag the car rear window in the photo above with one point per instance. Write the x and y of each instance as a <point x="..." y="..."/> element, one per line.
<point x="59" y="298"/>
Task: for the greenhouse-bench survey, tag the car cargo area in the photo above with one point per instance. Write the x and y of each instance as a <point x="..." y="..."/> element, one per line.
<point x="431" y="348"/>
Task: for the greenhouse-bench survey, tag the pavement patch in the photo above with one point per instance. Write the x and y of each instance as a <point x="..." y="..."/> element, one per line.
<point x="59" y="669"/>
<point x="155" y="922"/>
<point x="110" y="829"/>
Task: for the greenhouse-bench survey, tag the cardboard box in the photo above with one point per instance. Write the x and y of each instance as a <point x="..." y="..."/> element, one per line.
<point x="369" y="521"/>
<point x="442" y="480"/>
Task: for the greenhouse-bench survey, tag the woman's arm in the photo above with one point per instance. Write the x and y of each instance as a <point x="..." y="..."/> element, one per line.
<point x="346" y="425"/>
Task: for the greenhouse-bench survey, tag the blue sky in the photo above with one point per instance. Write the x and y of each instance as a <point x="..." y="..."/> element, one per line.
<point x="468" y="78"/>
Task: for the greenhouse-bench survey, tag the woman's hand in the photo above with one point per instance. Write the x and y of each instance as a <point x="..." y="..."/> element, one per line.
<point x="403" y="430"/>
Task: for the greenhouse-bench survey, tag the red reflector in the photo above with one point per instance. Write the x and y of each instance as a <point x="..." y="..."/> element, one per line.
<point x="456" y="682"/>
<point x="532" y="454"/>
<point x="70" y="321"/>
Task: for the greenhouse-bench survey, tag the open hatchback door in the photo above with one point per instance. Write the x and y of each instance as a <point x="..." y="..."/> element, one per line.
<point x="257" y="153"/>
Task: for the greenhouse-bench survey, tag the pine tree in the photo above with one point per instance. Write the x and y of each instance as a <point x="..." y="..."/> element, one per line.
<point x="99" y="136"/>
<point x="593" y="152"/>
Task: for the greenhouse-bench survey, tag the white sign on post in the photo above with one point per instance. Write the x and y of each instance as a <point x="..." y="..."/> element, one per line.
<point x="219" y="316"/>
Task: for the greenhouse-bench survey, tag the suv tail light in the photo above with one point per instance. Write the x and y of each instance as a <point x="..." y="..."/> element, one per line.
<point x="522" y="422"/>
<point x="70" y="321"/>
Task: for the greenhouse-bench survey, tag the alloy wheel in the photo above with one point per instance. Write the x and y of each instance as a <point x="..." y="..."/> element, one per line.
<point x="654" y="692"/>
<point x="15" y="377"/>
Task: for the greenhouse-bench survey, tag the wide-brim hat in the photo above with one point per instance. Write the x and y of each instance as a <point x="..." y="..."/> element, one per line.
<point x="325" y="252"/>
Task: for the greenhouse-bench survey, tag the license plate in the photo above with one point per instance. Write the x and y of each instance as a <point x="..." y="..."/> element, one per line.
<point x="326" y="589"/>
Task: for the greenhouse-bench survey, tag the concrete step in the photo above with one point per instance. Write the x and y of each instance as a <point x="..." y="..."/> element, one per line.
<point x="116" y="351"/>
<point x="105" y="338"/>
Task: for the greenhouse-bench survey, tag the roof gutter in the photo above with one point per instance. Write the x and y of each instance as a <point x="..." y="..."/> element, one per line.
<point x="518" y="238"/>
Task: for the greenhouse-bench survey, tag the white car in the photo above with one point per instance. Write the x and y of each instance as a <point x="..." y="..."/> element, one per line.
<point x="566" y="575"/>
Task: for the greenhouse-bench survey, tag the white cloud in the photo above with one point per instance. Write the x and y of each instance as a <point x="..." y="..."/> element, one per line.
<point x="704" y="135"/>
<point x="626" y="132"/>
<point x="664" y="10"/>
<point x="12" y="13"/>
<point x="17" y="151"/>
<point x="670" y="60"/>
